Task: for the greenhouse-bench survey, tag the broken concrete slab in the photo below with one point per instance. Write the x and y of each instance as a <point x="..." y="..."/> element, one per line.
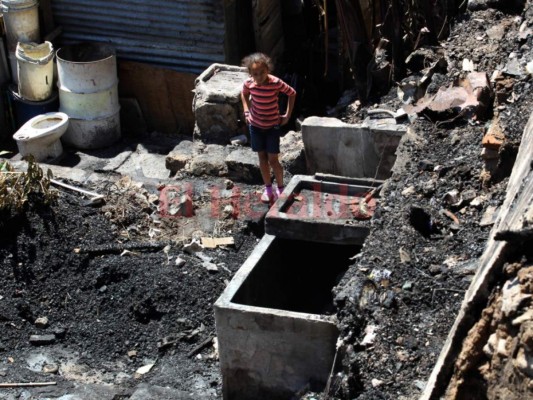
<point x="42" y="340"/>
<point x="351" y="150"/>
<point x="103" y="160"/>
<point x="216" y="105"/>
<point x="182" y="154"/>
<point x="210" y="162"/>
<point x="243" y="166"/>
<point x="292" y="155"/>
<point x="146" y="165"/>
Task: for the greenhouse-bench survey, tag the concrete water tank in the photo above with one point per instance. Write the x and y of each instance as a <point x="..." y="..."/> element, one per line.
<point x="88" y="94"/>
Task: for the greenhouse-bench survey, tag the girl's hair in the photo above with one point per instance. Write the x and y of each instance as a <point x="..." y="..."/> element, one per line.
<point x="257" y="58"/>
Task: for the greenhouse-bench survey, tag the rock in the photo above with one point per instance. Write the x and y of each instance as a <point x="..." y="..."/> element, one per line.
<point x="41" y="322"/>
<point x="501" y="348"/>
<point x="292" y="154"/>
<point x="210" y="162"/>
<point x="60" y="332"/>
<point x="527" y="316"/>
<point x="408" y="191"/>
<point x="143" y="370"/>
<point x="228" y="184"/>
<point x="490" y="346"/>
<point x="180" y="262"/>
<point x="176" y="162"/>
<point x="178" y="158"/>
<point x="490" y="216"/>
<point x="50" y="369"/>
<point x="41" y="340"/>
<point x="512" y="297"/>
<point x="243" y="166"/>
<point x="426" y="165"/>
<point x="370" y="335"/>
<point x="211" y="267"/>
<point x="496" y="32"/>
<point x="239" y="140"/>
<point x="376" y="382"/>
<point x="514" y="68"/>
<point x="524" y="362"/>
<point x="193" y="247"/>
<point x="405" y="257"/>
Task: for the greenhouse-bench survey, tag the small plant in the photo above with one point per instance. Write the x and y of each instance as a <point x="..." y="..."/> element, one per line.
<point x="15" y="187"/>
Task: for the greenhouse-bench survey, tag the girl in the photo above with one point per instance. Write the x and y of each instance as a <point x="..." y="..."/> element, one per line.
<point x="260" y="100"/>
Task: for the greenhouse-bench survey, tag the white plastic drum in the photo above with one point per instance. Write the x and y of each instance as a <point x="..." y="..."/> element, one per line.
<point x="88" y="94"/>
<point x="35" y="70"/>
<point x="21" y="20"/>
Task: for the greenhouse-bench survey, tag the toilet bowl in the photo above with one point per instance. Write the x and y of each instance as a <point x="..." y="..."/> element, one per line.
<point x="40" y="136"/>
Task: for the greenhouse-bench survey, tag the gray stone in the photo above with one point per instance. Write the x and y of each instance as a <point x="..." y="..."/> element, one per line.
<point x="41" y="322"/>
<point x="489" y="216"/>
<point x="152" y="165"/>
<point x="243" y="166"/>
<point x="217" y="106"/>
<point x="215" y="123"/>
<point x="182" y="154"/>
<point x="292" y="155"/>
<point x="210" y="162"/>
<point x="496" y="32"/>
<point x="39" y="340"/>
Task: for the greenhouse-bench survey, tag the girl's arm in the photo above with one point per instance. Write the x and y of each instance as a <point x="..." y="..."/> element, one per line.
<point x="290" y="106"/>
<point x="246" y="106"/>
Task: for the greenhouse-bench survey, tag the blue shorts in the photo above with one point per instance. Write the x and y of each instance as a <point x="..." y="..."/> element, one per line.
<point x="265" y="139"/>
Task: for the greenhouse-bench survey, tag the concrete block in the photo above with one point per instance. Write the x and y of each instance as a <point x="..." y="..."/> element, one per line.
<point x="352" y="150"/>
<point x="217" y="106"/>
<point x="319" y="211"/>
<point x="275" y="321"/>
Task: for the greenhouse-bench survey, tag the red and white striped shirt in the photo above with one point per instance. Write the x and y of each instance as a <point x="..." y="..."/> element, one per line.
<point x="264" y="107"/>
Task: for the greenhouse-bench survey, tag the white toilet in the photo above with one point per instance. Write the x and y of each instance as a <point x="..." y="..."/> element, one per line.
<point x="41" y="135"/>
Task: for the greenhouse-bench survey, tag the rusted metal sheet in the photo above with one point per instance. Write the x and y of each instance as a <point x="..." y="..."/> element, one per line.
<point x="183" y="35"/>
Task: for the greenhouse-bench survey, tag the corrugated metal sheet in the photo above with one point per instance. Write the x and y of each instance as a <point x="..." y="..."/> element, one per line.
<point x="184" y="35"/>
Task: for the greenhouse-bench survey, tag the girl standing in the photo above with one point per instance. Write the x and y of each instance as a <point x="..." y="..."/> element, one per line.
<point x="260" y="100"/>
